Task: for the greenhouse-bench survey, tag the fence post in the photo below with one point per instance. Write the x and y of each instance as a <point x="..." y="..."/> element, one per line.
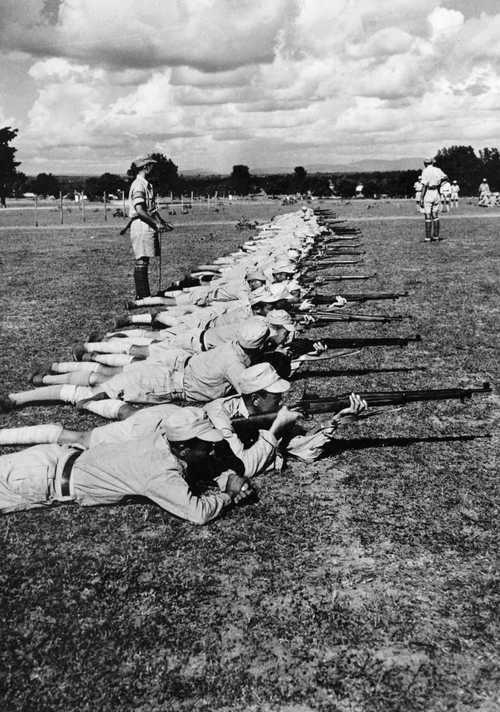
<point x="105" y="207"/>
<point x="61" y="206"/>
<point x="82" y="201"/>
<point x="36" y="210"/>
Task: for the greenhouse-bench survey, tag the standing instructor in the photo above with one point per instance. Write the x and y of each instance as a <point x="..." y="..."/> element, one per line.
<point x="145" y="224"/>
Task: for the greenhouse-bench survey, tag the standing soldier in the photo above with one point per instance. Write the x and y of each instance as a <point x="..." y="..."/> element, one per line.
<point x="446" y="194"/>
<point x="455" y="190"/>
<point x="484" y="193"/>
<point x="430" y="200"/>
<point x="145" y="224"/>
<point x="418" y="191"/>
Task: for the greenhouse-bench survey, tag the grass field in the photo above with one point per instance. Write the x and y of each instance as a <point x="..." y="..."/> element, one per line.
<point x="365" y="582"/>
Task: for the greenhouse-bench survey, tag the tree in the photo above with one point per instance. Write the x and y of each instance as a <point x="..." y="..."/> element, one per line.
<point x="461" y="163"/>
<point x="109" y="183"/>
<point x="164" y="174"/>
<point x="490" y="159"/>
<point x="7" y="163"/>
<point x="299" y="179"/>
<point x="44" y="184"/>
<point x="240" y="179"/>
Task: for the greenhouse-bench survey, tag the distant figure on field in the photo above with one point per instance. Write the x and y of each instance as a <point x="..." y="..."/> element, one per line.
<point x="484" y="187"/>
<point x="417" y="186"/>
<point x="359" y="190"/>
<point x="430" y="201"/>
<point x="455" y="190"/>
<point x="446" y="195"/>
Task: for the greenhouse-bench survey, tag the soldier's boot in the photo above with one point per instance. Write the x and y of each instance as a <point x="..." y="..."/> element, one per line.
<point x="428" y="230"/>
<point x="141" y="278"/>
<point x="435" y="229"/>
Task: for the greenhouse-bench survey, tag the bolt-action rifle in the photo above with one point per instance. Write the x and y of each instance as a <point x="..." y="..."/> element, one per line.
<point x="318" y="280"/>
<point x="298" y="347"/>
<point x="360" y="297"/>
<point x="326" y="318"/>
<point x="311" y="404"/>
<point x="318" y="264"/>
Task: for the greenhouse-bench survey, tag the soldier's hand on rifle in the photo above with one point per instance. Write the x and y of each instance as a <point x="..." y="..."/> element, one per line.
<point x="238" y="487"/>
<point x="338" y="303"/>
<point x="308" y="319"/>
<point x="306" y="304"/>
<point x="319" y="348"/>
<point x="357" y="406"/>
<point x="284" y="419"/>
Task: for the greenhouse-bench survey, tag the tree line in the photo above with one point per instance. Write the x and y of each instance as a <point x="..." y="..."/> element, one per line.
<point x="460" y="163"/>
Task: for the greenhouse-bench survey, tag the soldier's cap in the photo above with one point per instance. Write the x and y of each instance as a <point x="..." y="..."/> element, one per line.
<point x="428" y="160"/>
<point x="263" y="294"/>
<point x="262" y="377"/>
<point x="253" y="333"/>
<point x="256" y="273"/>
<point x="280" y="317"/>
<point x="189" y="423"/>
<point x="286" y="267"/>
<point x="142" y="161"/>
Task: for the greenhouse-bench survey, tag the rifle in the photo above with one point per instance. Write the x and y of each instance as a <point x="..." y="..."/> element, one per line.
<point x="311" y="404"/>
<point x="318" y="264"/>
<point x="326" y="318"/>
<point x="312" y="279"/>
<point x="298" y="347"/>
<point x="360" y="297"/>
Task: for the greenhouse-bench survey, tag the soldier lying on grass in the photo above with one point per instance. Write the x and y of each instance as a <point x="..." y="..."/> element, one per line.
<point x="260" y="391"/>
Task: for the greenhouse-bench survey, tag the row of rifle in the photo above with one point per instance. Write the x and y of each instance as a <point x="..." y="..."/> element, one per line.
<point x="322" y="258"/>
<point x="330" y="251"/>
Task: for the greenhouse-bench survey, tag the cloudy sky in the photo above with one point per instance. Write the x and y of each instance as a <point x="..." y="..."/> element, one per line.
<point x="92" y="83"/>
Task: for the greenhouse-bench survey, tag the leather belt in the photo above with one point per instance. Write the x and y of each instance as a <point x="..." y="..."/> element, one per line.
<point x="202" y="339"/>
<point x="66" y="473"/>
<point x="433" y="187"/>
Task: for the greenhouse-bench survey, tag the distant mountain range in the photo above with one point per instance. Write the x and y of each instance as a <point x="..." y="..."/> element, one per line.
<point x="368" y="164"/>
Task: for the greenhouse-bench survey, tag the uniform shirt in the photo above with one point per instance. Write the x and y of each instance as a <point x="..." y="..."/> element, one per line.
<point x="143" y="467"/>
<point x="148" y="421"/>
<point x="214" y="373"/>
<point x="432" y="177"/>
<point x="417" y="186"/>
<point x="141" y="191"/>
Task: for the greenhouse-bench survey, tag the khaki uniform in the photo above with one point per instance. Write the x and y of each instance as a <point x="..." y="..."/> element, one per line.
<point x="106" y="474"/>
<point x="143" y="238"/>
<point x="432" y="176"/>
<point x="194" y="379"/>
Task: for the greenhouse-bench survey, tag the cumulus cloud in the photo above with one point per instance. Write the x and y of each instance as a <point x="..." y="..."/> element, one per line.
<point x="251" y="80"/>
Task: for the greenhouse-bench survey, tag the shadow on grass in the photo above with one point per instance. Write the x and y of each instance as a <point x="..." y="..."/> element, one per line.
<point x="341" y="445"/>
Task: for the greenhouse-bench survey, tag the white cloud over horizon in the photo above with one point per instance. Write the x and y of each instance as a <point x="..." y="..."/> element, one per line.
<point x="216" y="82"/>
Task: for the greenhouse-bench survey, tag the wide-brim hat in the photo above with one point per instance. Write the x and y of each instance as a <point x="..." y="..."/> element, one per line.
<point x="280" y="317"/>
<point x="189" y="423"/>
<point x="262" y="377"/>
<point x="142" y="161"/>
<point x="253" y="333"/>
